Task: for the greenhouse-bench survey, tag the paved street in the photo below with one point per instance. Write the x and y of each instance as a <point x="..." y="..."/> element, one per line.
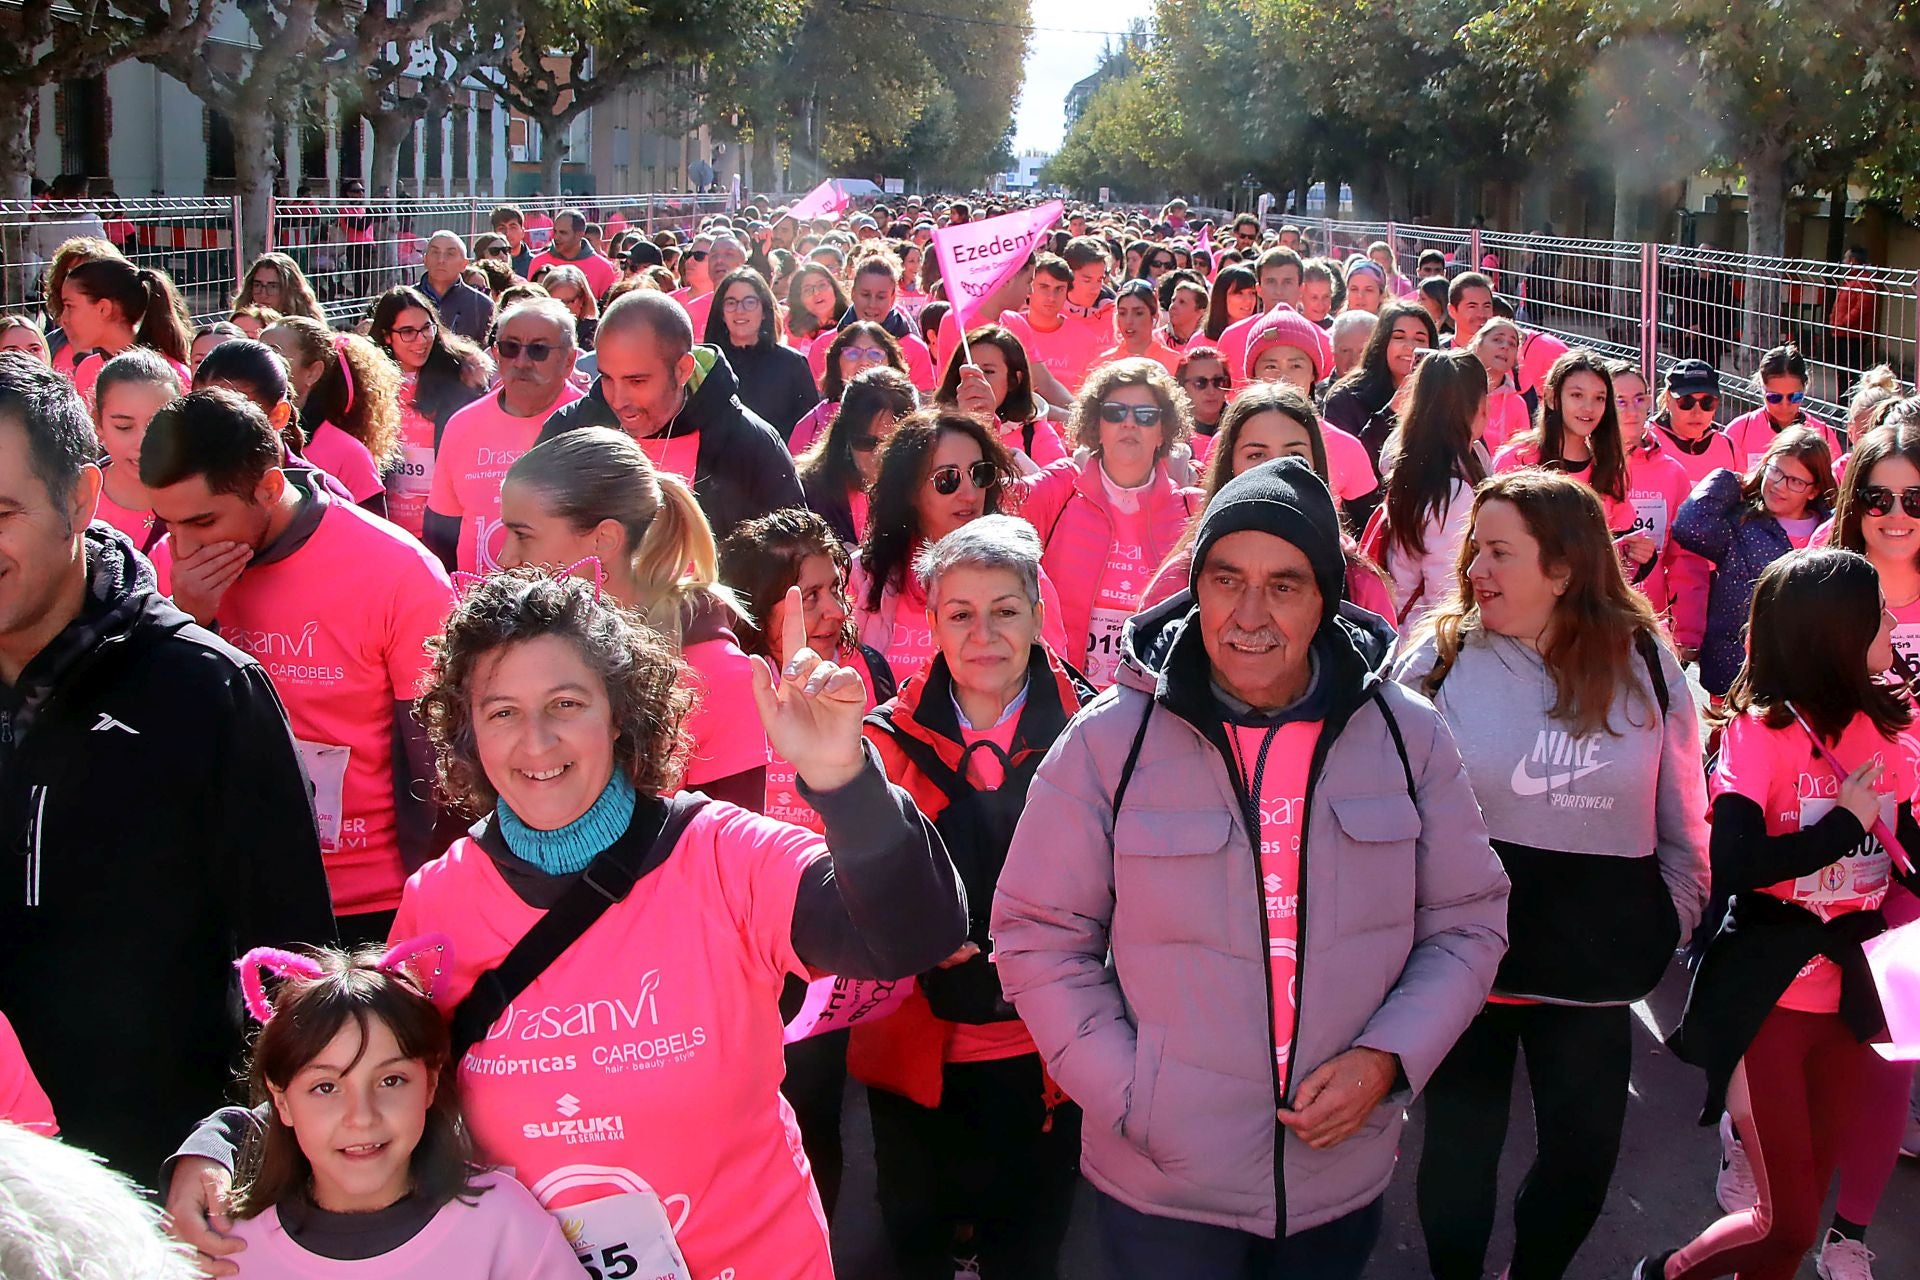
<point x="1662" y="1192"/>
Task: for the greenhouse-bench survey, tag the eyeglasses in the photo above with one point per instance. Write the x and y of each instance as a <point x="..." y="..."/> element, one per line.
<point x="1219" y="382"/>
<point x="1878" y="500"/>
<point x="510" y="349"/>
<point x="981" y="474"/>
<point x="412" y="332"/>
<point x="1160" y="264"/>
<point x="751" y="302"/>
<point x="1147" y="415"/>
<point x="1703" y="400"/>
<point x="867" y="444"/>
<point x="267" y="284"/>
<point x="1792" y="484"/>
<point x="1791" y="397"/>
<point x="863" y="355"/>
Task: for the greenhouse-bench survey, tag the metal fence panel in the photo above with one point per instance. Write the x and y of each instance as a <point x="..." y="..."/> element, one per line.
<point x="352" y="251"/>
<point x="1588" y="292"/>
<point x="191" y="239"/>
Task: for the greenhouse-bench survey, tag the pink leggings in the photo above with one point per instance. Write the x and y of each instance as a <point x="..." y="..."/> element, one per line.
<point x="1871" y="1147"/>
<point x="1792" y="1097"/>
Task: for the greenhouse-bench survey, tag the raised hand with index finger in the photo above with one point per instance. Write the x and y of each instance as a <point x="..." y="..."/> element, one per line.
<point x="811" y="707"/>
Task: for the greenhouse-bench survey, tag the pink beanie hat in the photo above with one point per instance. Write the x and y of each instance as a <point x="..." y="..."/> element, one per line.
<point x="1285" y="327"/>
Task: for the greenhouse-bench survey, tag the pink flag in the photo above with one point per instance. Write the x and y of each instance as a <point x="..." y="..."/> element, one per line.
<point x="823" y="201"/>
<point x="978" y="257"/>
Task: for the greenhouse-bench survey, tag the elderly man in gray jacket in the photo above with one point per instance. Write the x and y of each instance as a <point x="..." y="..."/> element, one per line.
<point x="1249" y="908"/>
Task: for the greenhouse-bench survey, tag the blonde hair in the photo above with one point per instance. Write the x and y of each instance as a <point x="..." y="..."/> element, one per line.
<point x="1878" y="387"/>
<point x="593" y="474"/>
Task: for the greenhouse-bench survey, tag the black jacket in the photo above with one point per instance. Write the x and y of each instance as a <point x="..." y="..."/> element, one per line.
<point x="155" y="824"/>
<point x="775" y="383"/>
<point x="742" y="470"/>
<point x="439" y="395"/>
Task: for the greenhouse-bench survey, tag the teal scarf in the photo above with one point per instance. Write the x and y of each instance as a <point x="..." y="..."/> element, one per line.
<point x="572" y="847"/>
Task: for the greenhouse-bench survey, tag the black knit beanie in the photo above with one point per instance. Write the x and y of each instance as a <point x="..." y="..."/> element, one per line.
<point x="1285" y="498"/>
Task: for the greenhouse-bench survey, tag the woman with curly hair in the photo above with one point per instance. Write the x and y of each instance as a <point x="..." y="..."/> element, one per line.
<point x="1107" y="520"/>
<point x="348" y="393"/>
<point x="557" y="718"/>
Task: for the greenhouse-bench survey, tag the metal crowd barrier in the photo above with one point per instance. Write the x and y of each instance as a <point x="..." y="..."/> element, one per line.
<point x="194" y="240"/>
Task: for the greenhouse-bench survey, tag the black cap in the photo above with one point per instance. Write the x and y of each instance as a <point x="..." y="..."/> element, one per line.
<point x="1285" y="498"/>
<point x="644" y="253"/>
<point x="1693" y="376"/>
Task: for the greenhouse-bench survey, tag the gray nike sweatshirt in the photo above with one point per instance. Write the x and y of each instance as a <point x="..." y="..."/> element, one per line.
<point x="1600" y="832"/>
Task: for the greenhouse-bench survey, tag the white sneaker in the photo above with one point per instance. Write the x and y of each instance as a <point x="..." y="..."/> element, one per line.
<point x="1735" y="1188"/>
<point x="1844" y="1259"/>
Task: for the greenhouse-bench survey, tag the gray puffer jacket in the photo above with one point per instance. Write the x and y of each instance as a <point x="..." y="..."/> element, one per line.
<point x="1134" y="947"/>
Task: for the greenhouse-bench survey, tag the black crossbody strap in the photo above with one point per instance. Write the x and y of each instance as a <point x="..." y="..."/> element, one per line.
<point x="608" y="879"/>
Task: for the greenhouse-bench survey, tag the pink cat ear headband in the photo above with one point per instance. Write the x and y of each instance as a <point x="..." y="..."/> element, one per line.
<point x="422" y="961"/>
<point x="465" y="582"/>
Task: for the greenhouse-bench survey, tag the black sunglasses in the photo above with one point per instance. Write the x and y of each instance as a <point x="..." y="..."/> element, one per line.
<point x="1219" y="382"/>
<point x="1147" y="415"/>
<point x="982" y="474"/>
<point x="866" y="444"/>
<point x="510" y="349"/>
<point x="1878" y="500"/>
<point x="1160" y="264"/>
<point x="1704" y="400"/>
<point x="698" y="255"/>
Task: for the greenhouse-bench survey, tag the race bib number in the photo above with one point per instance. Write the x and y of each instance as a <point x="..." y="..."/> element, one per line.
<point x="1906" y="641"/>
<point x="834" y="1004"/>
<point x="326" y="769"/>
<point x="1650" y="519"/>
<point x="623" y="1237"/>
<point x="413" y="473"/>
<point x="1103" y="645"/>
<point x="1861" y="875"/>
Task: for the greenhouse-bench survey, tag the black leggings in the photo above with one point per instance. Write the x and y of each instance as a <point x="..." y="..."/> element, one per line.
<point x="1577" y="1066"/>
<point x="992" y="1156"/>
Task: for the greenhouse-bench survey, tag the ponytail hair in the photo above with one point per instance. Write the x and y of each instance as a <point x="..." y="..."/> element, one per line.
<point x="144" y="297"/>
<point x="358" y="390"/>
<point x="593" y="474"/>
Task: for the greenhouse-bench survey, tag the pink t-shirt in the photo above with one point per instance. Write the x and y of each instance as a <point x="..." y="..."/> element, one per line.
<point x="783" y="791"/>
<point x="674" y="454"/>
<point x="812" y="427"/>
<point x="1047" y="446"/>
<point x="1718" y="454"/>
<point x="1282" y="781"/>
<point x="698" y="309"/>
<point x="411" y="479"/>
<point x="1906" y="631"/>
<point x="480" y="443"/>
<point x="137" y="525"/>
<point x="341" y="627"/>
<point x="1752" y="434"/>
<point x="600" y="273"/>
<point x="87" y="372"/>
<point x="1778" y="770"/>
<point x="1159" y="352"/>
<point x="1521" y="454"/>
<point x="504" y="1235"/>
<point x="857" y="506"/>
<point x="912" y="645"/>
<point x="1124" y="575"/>
<point x="1350" y="471"/>
<point x="1067" y="352"/>
<point x="649" y="1055"/>
<point x="22" y="1100"/>
<point x="1656" y="486"/>
<point x="346" y="460"/>
<point x="1506" y="415"/>
<point x="724" y="723"/>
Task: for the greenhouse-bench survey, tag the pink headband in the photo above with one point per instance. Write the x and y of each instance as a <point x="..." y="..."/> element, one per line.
<point x="346" y="370"/>
<point x="468" y="581"/>
<point x="422" y="961"/>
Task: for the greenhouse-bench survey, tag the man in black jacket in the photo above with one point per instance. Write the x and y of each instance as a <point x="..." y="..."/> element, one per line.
<point x="681" y="403"/>
<point x="154" y="822"/>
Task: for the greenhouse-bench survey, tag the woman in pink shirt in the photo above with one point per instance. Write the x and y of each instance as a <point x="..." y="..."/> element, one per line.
<point x="1656" y="486"/>
<point x="861" y="345"/>
<point x="766" y="560"/>
<point x="1812" y="816"/>
<point x="998" y="388"/>
<point x="1781" y="384"/>
<point x="108" y="305"/>
<point x="1497" y="343"/>
<point x="131" y="388"/>
<point x="815" y="303"/>
<point x="967" y="1126"/>
<point x="348" y="393"/>
<point x="1136" y="310"/>
<point x="837" y="471"/>
<point x="441" y="373"/>
<point x="590" y="501"/>
<point x="1579" y="435"/>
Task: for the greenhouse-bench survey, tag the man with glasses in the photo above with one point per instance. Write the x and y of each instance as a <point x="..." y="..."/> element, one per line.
<point x="570" y="248"/>
<point x="463" y="309"/>
<point x="1246" y="232"/>
<point x="534" y="348"/>
<point x="681" y="403"/>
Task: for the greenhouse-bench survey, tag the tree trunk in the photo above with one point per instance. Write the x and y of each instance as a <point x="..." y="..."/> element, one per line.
<point x="254" y="167"/>
<point x="390" y="129"/>
<point x="16" y="146"/>
<point x="1396" y="186"/>
<point x="553" y="150"/>
<point x="1765" y="164"/>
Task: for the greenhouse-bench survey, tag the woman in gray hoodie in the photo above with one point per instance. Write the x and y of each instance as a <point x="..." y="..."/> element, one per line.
<point x="1580" y="737"/>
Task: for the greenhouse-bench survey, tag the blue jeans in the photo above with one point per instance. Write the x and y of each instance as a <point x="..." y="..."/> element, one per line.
<point x="1144" y="1246"/>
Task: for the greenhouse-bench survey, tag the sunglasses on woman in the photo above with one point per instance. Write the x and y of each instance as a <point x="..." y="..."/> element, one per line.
<point x="1791" y="397"/>
<point x="1219" y="382"/>
<point x="981" y="474"/>
<point x="1147" y="415"/>
<point x="1690" y="400"/>
<point x="1878" y="500"/>
<point x="510" y="349"/>
<point x="1160" y="264"/>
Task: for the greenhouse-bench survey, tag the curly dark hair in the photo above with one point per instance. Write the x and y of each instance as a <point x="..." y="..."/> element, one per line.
<point x="642" y="673"/>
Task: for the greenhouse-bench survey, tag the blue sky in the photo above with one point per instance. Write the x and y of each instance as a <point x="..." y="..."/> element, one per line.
<point x="1056" y="59"/>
